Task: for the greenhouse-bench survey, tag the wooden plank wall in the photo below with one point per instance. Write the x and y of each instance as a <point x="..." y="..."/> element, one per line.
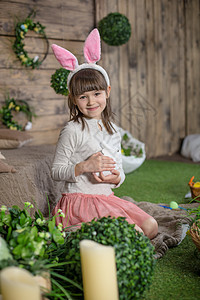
<point x="192" y="88"/>
<point x="67" y="24"/>
<point x="155" y="76"/>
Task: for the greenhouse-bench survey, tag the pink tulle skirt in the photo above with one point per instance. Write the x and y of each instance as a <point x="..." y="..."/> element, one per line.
<point x="80" y="208"/>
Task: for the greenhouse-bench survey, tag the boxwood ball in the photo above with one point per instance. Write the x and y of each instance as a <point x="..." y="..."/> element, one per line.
<point x="115" y="29"/>
<point x="133" y="251"/>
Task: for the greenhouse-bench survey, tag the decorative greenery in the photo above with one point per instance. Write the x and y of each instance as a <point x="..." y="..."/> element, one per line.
<point x="32" y="242"/>
<point x="134" y="253"/>
<point x="194" y="214"/>
<point x="59" y="81"/>
<point x="129" y="148"/>
<point x="27" y="237"/>
<point x="115" y="29"/>
<point x="11" y="105"/>
<point x="21" y="30"/>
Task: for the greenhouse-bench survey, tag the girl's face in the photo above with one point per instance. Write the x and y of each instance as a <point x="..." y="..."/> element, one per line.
<point x="92" y="103"/>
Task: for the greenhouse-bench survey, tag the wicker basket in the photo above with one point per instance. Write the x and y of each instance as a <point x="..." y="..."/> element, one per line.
<point x="195" y="191"/>
<point x="195" y="234"/>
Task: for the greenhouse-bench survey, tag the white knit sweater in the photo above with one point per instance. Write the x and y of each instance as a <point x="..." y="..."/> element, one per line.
<point x="75" y="145"/>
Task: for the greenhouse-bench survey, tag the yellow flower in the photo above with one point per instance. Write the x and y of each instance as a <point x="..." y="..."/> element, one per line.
<point x="36" y="29"/>
<point x="22" y="34"/>
<point x="122" y="151"/>
<point x="17" y="108"/>
<point x="24" y="59"/>
<point x="11" y="105"/>
<point x="25" y="26"/>
<point x="13" y="128"/>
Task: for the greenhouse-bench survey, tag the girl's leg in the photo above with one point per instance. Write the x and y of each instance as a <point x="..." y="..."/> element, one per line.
<point x="150" y="227"/>
<point x="138" y="229"/>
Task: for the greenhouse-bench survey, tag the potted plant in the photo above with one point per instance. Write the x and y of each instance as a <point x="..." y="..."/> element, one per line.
<point x="30" y="243"/>
<point x="133" y="152"/>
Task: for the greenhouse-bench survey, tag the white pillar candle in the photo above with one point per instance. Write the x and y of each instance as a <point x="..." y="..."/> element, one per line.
<point x="98" y="271"/>
<point x="18" y="284"/>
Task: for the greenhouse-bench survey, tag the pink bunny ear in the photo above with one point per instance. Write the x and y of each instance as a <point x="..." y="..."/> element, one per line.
<point x="92" y="48"/>
<point x="65" y="57"/>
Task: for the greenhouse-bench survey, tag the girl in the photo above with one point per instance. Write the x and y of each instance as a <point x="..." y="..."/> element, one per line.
<point x="88" y="152"/>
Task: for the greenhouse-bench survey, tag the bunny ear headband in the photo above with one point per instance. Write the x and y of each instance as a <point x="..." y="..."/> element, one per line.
<point x="92" y="54"/>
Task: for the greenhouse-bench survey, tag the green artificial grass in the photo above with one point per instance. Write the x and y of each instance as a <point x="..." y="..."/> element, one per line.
<point x="177" y="273"/>
<point x="159" y="182"/>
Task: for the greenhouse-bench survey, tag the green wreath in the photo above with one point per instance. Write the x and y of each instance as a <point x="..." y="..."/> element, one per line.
<point x="17" y="106"/>
<point x="59" y="81"/>
<point x="21" y="30"/>
<point x="115" y="29"/>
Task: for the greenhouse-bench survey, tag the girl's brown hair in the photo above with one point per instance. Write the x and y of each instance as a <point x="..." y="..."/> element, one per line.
<point x="84" y="81"/>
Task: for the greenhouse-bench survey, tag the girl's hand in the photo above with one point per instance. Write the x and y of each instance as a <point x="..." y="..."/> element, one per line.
<point x="95" y="163"/>
<point x="112" y="178"/>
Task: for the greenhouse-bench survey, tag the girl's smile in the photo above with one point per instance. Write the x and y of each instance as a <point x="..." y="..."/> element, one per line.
<point x="92" y="108"/>
<point x="92" y="103"/>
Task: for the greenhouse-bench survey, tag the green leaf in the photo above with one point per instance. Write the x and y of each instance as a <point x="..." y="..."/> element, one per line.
<point x="40" y="214"/>
<point x="23" y="237"/>
<point x="26" y="252"/>
<point x="66" y="293"/>
<point x="57" y="236"/>
<point x="33" y="232"/>
<point x="22" y="219"/>
<point x="6" y="219"/>
<point x="18" y="250"/>
<point x="51" y="225"/>
<point x="67" y="279"/>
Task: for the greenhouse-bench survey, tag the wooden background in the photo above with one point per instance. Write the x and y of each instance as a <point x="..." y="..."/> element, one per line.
<point x="154" y="77"/>
<point x="67" y="24"/>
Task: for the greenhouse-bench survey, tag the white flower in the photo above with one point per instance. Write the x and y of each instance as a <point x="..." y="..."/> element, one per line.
<point x="60" y="212"/>
<point x="28" y="125"/>
<point x="38" y="247"/>
<point x="40" y="222"/>
<point x="47" y="235"/>
<point x="64" y="234"/>
<point x="60" y="226"/>
<point x="35" y="58"/>
<point x="41" y="234"/>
